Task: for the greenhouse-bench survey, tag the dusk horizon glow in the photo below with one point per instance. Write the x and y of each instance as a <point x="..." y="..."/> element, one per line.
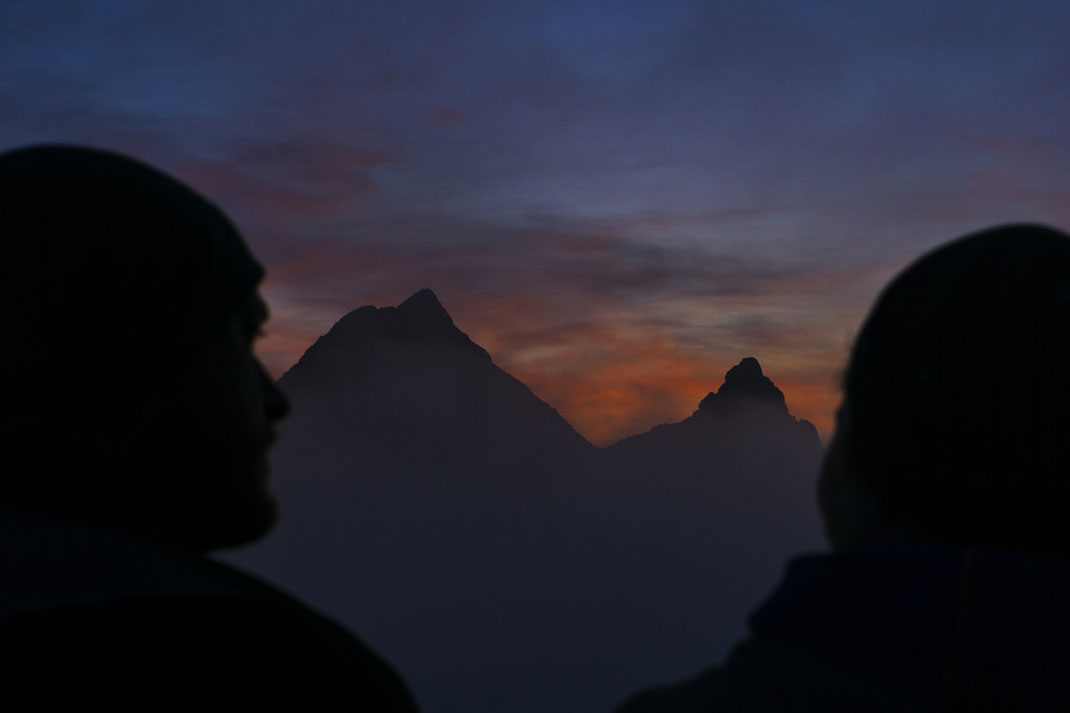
<point x="619" y="202"/>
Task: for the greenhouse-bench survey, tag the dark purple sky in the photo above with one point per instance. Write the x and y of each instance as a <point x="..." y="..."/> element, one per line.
<point x="619" y="200"/>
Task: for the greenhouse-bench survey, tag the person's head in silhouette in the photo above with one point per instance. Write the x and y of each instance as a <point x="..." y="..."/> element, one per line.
<point x="128" y="309"/>
<point x="955" y="423"/>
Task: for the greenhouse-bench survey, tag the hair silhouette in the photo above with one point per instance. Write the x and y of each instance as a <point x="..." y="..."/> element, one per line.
<point x="956" y="397"/>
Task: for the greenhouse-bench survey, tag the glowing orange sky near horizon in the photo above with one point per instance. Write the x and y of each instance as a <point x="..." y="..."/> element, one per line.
<point x="610" y="383"/>
<point x="625" y="398"/>
<point x="612" y="360"/>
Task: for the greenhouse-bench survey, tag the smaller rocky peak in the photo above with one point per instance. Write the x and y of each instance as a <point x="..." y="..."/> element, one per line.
<point x="747" y="371"/>
<point x="744" y="383"/>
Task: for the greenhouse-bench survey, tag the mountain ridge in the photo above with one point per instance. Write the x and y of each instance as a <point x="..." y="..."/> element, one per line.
<point x="422" y="319"/>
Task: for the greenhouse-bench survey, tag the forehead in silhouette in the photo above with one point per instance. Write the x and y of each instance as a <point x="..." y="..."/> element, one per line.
<point x="101" y="242"/>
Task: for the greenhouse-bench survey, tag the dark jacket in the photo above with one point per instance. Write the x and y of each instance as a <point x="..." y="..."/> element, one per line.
<point x="89" y="615"/>
<point x="907" y="628"/>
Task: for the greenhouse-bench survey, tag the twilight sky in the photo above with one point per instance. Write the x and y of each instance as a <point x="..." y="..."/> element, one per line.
<point x="619" y="200"/>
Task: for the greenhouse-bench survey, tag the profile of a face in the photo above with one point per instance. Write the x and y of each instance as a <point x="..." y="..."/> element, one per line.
<point x="231" y="407"/>
<point x="134" y="401"/>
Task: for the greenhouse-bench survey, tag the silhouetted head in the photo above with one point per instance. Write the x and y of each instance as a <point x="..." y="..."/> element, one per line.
<point x="956" y="403"/>
<point x="128" y="309"/>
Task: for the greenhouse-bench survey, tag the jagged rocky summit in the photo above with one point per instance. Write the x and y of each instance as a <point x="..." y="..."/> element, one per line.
<point x="744" y="384"/>
<point x="748" y="411"/>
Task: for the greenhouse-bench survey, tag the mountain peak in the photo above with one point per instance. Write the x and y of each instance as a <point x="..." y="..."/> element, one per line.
<point x="420" y="319"/>
<point x="748" y="370"/>
<point x="744" y="382"/>
<point x="424" y="300"/>
<point x="424" y="312"/>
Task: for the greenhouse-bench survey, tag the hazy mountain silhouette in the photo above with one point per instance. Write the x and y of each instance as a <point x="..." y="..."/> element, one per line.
<point x="746" y="401"/>
<point x="399" y="387"/>
<point x="741" y="433"/>
<point x="433" y="503"/>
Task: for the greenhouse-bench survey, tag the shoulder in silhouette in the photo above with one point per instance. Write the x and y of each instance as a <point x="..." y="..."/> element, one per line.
<point x="135" y="429"/>
<point x="944" y="493"/>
